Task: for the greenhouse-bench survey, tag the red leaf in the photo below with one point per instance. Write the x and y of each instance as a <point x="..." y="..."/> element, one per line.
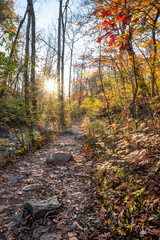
<point x="99" y="40"/>
<point x="111" y="41"/>
<point x="110" y="21"/>
<point x="127" y="46"/>
<point x="116" y="6"/>
<point x="119" y="18"/>
<point x="116" y="9"/>
<point x="144" y="21"/>
<point x="105" y="23"/>
<point x="125" y="20"/>
<point x="136" y="20"/>
<point x="108" y="33"/>
<point x="106" y="13"/>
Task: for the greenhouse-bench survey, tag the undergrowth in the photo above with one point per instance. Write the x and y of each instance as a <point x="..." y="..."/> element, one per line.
<point x="127" y="172"/>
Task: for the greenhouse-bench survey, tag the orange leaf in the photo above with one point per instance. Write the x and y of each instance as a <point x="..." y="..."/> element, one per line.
<point x="107" y="222"/>
<point x="115" y="207"/>
<point x="129" y="204"/>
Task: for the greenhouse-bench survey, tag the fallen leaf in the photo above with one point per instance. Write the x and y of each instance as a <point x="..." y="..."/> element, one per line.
<point x="129" y="204"/>
<point x="70" y="234"/>
<point x="59" y="236"/>
<point x="77" y="224"/>
<point x="73" y="238"/>
<point x="136" y="156"/>
<point x="154" y="232"/>
<point x="95" y="234"/>
<point x="143" y="218"/>
<point x="55" y="221"/>
<point x="45" y="230"/>
<point x="10" y="225"/>
<point x="3" y="207"/>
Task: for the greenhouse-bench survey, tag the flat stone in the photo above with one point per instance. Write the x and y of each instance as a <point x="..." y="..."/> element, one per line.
<point x="142" y="233"/>
<point x="82" y="136"/>
<point x="31" y="187"/>
<point x="47" y="236"/>
<point x="67" y="132"/>
<point x="57" y="145"/>
<point x="37" y="232"/>
<point x="39" y="209"/>
<point x="15" y="178"/>
<point x="69" y="145"/>
<point x="60" y="158"/>
<point x="70" y="131"/>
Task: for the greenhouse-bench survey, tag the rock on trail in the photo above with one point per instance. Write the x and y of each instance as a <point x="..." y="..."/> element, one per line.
<point x="60" y="158"/>
<point x="40" y="208"/>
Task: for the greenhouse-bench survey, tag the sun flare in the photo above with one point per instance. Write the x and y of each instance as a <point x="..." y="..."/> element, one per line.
<point x="49" y="86"/>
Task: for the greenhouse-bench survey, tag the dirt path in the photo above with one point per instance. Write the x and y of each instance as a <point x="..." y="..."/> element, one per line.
<point x="71" y="184"/>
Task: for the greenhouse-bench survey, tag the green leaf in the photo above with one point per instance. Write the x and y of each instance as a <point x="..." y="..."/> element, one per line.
<point x="138" y="192"/>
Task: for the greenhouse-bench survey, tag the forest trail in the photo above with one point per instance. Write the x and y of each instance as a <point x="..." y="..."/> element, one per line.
<point x="71" y="184"/>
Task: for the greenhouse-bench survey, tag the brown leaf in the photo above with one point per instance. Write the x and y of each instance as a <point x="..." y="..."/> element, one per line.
<point x="77" y="224"/>
<point x="121" y="213"/>
<point x="10" y="225"/>
<point x="136" y="156"/>
<point x="95" y="234"/>
<point x="154" y="232"/>
<point x="59" y="236"/>
<point x="60" y="225"/>
<point x="143" y="218"/>
<point x="3" y="207"/>
<point x="55" y="221"/>
<point x="73" y="238"/>
<point x="70" y="234"/>
<point x="45" y="230"/>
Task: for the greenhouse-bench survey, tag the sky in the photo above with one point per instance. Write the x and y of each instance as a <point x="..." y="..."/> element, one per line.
<point x="46" y="11"/>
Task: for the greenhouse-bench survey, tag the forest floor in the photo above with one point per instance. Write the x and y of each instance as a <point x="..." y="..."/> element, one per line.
<point x="72" y="184"/>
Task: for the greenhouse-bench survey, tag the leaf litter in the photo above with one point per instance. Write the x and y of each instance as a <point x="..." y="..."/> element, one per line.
<point x="102" y="198"/>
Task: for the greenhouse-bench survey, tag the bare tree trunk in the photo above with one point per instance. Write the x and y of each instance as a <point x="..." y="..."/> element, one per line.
<point x="70" y="69"/>
<point x="102" y="86"/>
<point x="155" y="53"/>
<point x="26" y="79"/>
<point x="59" y="48"/>
<point x="33" y="63"/>
<point x="64" y="24"/>
<point x="26" y="74"/>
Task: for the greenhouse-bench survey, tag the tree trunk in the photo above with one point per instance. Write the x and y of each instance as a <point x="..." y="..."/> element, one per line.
<point x="59" y="48"/>
<point x="26" y="74"/>
<point x="26" y="79"/>
<point x="102" y="86"/>
<point x="70" y="69"/>
<point x="154" y="54"/>
<point x="33" y="63"/>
